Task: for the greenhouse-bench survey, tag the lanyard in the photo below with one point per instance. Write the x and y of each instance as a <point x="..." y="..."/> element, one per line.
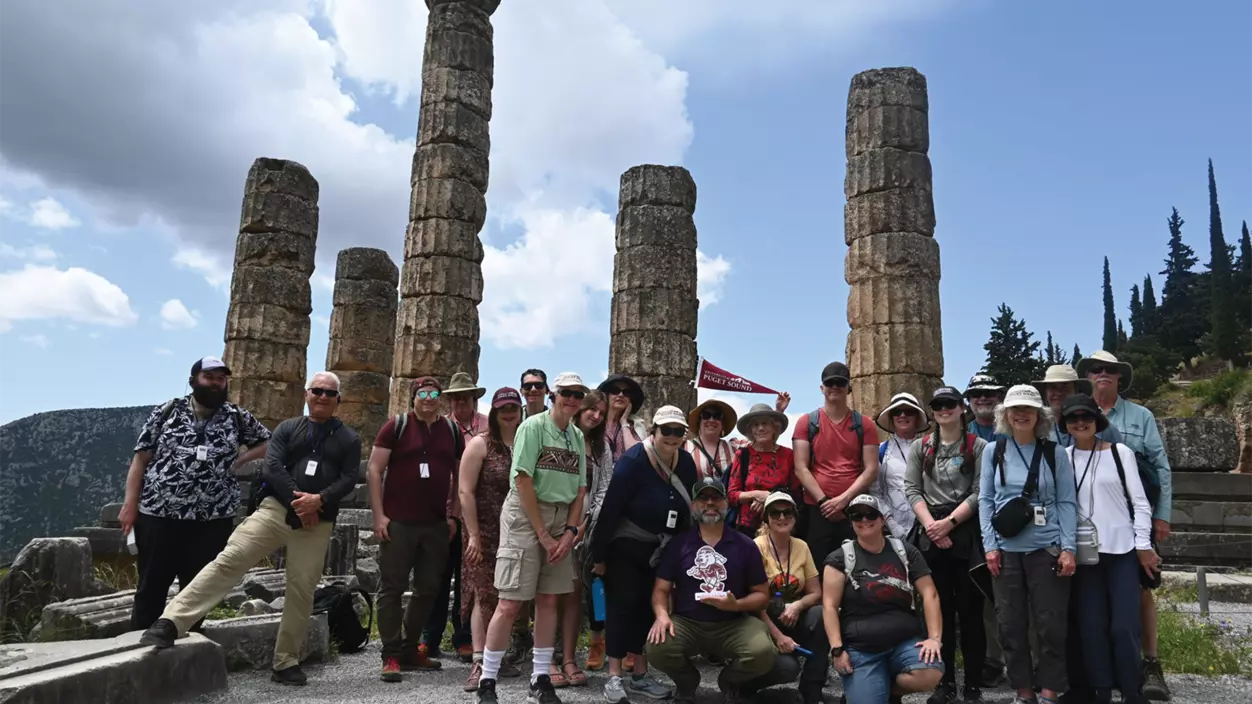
<point x="666" y="473"/>
<point x="318" y="433"/>
<point x="786" y="572"/>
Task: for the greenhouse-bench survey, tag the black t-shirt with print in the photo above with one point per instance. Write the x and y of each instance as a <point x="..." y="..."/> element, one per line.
<point x="879" y="615"/>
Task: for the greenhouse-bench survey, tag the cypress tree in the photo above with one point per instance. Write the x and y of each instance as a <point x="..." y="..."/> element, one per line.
<point x="1179" y="326"/>
<point x="1136" y="313"/>
<point x="1049" y="351"/>
<point x="1076" y="356"/>
<point x="1245" y="254"/>
<point x="1012" y="356"/>
<point x="1243" y="302"/>
<point x="1224" y="333"/>
<point x="1148" y="316"/>
<point x="1121" y="335"/>
<point x="1110" y="315"/>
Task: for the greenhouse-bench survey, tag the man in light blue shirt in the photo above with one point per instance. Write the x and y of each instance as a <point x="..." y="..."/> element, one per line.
<point x="1059" y="383"/>
<point x="1138" y="429"/>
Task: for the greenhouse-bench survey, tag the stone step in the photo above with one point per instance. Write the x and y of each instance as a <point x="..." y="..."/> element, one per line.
<point x="106" y="616"/>
<point x="248" y="642"/>
<point x="113" y="671"/>
<point x="1225" y="588"/>
<point x="1228" y="549"/>
<point x="1212" y="486"/>
<point x="1212" y="516"/>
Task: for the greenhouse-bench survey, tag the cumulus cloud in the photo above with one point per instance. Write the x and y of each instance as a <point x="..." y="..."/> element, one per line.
<point x="210" y="266"/>
<point x="711" y="273"/>
<point x="45" y="292"/>
<point x="175" y="316"/>
<point x="38" y="340"/>
<point x="49" y="214"/>
<point x="33" y="253"/>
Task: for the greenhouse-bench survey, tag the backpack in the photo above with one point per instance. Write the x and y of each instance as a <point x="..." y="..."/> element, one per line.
<point x="458" y="441"/>
<point x="849" y="563"/>
<point x="815" y="425"/>
<point x="338" y="602"/>
<point x="967" y="454"/>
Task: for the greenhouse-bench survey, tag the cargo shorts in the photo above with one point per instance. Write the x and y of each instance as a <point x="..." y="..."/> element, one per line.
<point x="522" y="567"/>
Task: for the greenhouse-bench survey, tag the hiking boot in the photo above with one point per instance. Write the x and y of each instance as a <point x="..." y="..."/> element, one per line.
<point x="647" y="686"/>
<point x="542" y="691"/>
<point x="1154" y="686"/>
<point x="945" y="693"/>
<point x="487" y="692"/>
<point x="811" y="692"/>
<point x="391" y="670"/>
<point x="993" y="675"/>
<point x="970" y="693"/>
<point x="290" y="675"/>
<point x="509" y="670"/>
<point x="595" y="655"/>
<point x="476" y="673"/>
<point x="161" y="634"/>
<point x="520" y="646"/>
<point x="417" y="659"/>
<point x="730" y="691"/>
<point x="430" y="651"/>
<point x="614" y="690"/>
<point x="465" y="653"/>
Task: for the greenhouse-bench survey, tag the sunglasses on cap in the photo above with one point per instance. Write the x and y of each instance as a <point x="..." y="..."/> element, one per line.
<point x="711" y="414"/>
<point x="573" y="393"/>
<point x="428" y="395"/>
<point x="782" y="513"/>
<point x="329" y="393"/>
<point x="860" y="516"/>
<point x="1103" y="369"/>
<point x="534" y="386"/>
<point x="944" y="405"/>
<point x="836" y="382"/>
<point x="1079" y="417"/>
<point x="673" y="431"/>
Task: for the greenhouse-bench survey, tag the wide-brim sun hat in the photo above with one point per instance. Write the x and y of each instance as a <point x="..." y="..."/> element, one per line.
<point x="1022" y="395"/>
<point x="1101" y="358"/>
<point x="902" y="400"/>
<point x="634" y="391"/>
<point x="983" y="381"/>
<point x="1063" y="374"/>
<point x="569" y="380"/>
<point x="463" y="383"/>
<point x="729" y="417"/>
<point x="1082" y="402"/>
<point x="758" y="412"/>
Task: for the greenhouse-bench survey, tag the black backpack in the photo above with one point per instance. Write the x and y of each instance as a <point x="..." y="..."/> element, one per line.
<point x="337" y="601"/>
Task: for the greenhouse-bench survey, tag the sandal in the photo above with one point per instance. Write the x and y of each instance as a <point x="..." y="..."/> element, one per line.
<point x="557" y="677"/>
<point x="577" y="678"/>
<point x="476" y="673"/>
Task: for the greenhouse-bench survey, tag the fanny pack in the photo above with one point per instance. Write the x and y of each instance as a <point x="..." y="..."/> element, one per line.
<point x="1014" y="516"/>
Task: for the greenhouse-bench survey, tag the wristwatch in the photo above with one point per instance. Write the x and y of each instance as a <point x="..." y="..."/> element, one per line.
<point x="823" y="500"/>
<point x="953" y="519"/>
<point x="572" y="529"/>
<point x="836" y="651"/>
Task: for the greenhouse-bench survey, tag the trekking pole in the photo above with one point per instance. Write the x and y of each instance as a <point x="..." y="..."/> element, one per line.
<point x="1202" y="590"/>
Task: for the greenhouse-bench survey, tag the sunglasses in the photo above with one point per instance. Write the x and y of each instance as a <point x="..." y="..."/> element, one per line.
<point x="672" y="432"/>
<point x="534" y="386"/>
<point x="329" y="393"/>
<point x="897" y="412"/>
<point x="785" y="513"/>
<point x="1101" y="369"/>
<point x="710" y="414"/>
<point x="1080" y="417"/>
<point x="861" y="516"/>
<point x="572" y="393"/>
<point x="428" y="395"/>
<point x="982" y="394"/>
<point x="836" y="383"/>
<point x="616" y="391"/>
<point x="943" y="405"/>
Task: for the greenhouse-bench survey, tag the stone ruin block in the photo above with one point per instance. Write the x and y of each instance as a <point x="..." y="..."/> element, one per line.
<point x="45" y="571"/>
<point x="892" y="255"/>
<point x="895" y="210"/>
<point x="897" y="348"/>
<point x="886" y="169"/>
<point x="1199" y="444"/>
<point x="248" y="642"/>
<point x="893" y="300"/>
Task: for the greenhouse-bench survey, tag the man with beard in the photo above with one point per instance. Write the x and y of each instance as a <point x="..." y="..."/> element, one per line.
<point x="984" y="393"/>
<point x="718" y="583"/>
<point x="312" y="463"/>
<point x="181" y="490"/>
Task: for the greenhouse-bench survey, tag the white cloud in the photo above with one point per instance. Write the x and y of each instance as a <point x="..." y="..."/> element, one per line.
<point x="38" y="340"/>
<point x="711" y="273"/>
<point x="175" y="316"/>
<point x="43" y="292"/>
<point x="49" y="214"/>
<point x="34" y="253"/>
<point x="6" y="205"/>
<point x="209" y="266"/>
<point x="163" y="351"/>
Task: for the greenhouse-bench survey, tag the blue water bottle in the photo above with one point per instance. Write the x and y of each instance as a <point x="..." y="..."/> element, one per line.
<point x="597" y="599"/>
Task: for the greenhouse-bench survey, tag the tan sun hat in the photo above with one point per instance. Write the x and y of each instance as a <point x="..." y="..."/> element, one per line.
<point x="1105" y="359"/>
<point x="902" y="400"/>
<point x="463" y="383"/>
<point x="729" y="417"/>
<point x="1063" y="374"/>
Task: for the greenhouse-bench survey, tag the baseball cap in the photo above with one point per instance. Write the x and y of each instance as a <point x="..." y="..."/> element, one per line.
<point x="209" y="364"/>
<point x="865" y="500"/>
<point x="423" y="381"/>
<point x="707" y="483"/>
<point x="669" y="415"/>
<point x="947" y="393"/>
<point x="569" y="380"/>
<point x="835" y="370"/>
<point x="505" y="396"/>
<point x="1023" y="395"/>
<point x="778" y="497"/>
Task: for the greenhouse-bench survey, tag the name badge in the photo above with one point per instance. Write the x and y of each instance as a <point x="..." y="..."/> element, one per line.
<point x="1041" y="516"/>
<point x="425" y="471"/>
<point x="202" y="453"/>
<point x="671" y="520"/>
<point x="310" y="469"/>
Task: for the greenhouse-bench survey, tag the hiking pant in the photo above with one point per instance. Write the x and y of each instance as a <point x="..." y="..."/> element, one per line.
<point x="1104" y="626"/>
<point x="809" y="633"/>
<point x="432" y="634"/>
<point x="170" y="548"/>
<point x="416" y="549"/>
<point x="1029" y="588"/>
<point x="825" y="536"/>
<point x="628" y="581"/>
<point x="959" y="599"/>
<point x="743" y="642"/>
<point x="260" y="534"/>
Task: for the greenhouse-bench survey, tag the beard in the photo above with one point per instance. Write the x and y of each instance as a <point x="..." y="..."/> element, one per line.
<point x="209" y="396"/>
<point x="709" y="520"/>
<point x="983" y="413"/>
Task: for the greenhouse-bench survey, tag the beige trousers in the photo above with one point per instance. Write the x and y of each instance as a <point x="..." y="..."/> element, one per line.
<point x="263" y="532"/>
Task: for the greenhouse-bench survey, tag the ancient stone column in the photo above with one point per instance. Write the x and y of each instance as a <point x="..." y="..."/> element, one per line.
<point x="892" y="265"/>
<point x="652" y="326"/>
<point x="442" y="281"/>
<point x="363" y="337"/>
<point x="267" y="325"/>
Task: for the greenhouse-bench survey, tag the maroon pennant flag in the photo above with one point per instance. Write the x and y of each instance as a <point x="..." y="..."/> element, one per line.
<point x="711" y="376"/>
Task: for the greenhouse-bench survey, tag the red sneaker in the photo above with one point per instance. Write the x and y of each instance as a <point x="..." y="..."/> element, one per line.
<point x="391" y="670"/>
<point x="418" y="659"/>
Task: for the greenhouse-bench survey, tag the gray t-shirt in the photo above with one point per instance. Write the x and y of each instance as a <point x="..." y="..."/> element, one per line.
<point x="951" y="482"/>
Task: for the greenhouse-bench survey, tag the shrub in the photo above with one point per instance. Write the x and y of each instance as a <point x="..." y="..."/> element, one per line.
<point x="1222" y="389"/>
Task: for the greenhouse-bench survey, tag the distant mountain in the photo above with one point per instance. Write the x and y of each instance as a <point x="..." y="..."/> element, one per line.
<point x="58" y="468"/>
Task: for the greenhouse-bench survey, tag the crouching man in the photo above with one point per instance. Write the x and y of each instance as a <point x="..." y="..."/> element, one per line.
<point x="311" y="464"/>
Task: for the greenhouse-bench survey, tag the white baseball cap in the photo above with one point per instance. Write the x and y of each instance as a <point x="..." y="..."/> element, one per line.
<point x="669" y="415"/>
<point x="1023" y="395"/>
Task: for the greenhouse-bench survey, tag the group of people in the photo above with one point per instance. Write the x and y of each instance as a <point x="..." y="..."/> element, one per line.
<point x="774" y="562"/>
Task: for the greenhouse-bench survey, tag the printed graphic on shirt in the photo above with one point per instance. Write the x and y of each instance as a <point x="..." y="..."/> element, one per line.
<point x="557" y="459"/>
<point x="709" y="567"/>
<point x="888" y="584"/>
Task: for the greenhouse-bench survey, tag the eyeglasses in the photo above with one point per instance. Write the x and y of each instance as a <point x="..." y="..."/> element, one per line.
<point x="945" y="405"/>
<point x="784" y="513"/>
<point x="534" y="386"/>
<point x="616" y="391"/>
<point x="671" y="431"/>
<point x="1080" y="417"/>
<point x="837" y="382"/>
<point x="711" y="414"/>
<point x="572" y="393"/>
<point x="897" y="412"/>
<point x="428" y="395"/>
<point x="330" y="393"/>
<point x="861" y="516"/>
<point x="1102" y="369"/>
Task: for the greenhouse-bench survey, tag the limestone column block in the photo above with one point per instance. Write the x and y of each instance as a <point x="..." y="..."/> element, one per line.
<point x="895" y="210"/>
<point x="897" y="348"/>
<point x="362" y="337"/>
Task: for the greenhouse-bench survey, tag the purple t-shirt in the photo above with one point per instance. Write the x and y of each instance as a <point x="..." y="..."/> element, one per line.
<point x="733" y="565"/>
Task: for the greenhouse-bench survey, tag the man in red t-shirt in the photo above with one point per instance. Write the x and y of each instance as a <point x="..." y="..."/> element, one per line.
<point x="835" y="466"/>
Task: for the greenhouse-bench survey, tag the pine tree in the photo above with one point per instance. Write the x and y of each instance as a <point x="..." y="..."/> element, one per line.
<point x="1012" y="356"/>
<point x="1180" y="327"/>
<point x="1076" y="356"/>
<point x="1049" y="352"/>
<point x="1110" y="315"/>
<point x="1136" y="312"/>
<point x="1148" y="317"/>
<point x="1224" y="334"/>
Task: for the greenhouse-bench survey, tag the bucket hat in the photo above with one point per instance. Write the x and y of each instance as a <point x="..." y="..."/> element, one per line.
<point x="634" y="391"/>
<point x="1076" y="403"/>
<point x="1063" y="374"/>
<point x="758" y="412"/>
<point x="1103" y="359"/>
<point x="902" y="400"/>
<point x="1023" y="395"/>
<point x="463" y="383"/>
<point x="729" y="417"/>
<point x="569" y="380"/>
<point x="982" y="381"/>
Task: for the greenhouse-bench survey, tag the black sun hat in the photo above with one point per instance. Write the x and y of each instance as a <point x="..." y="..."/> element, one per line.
<point x="1082" y="403"/>
<point x="634" y="391"/>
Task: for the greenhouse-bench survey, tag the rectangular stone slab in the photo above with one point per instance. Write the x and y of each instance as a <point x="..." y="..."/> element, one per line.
<point x="1213" y="486"/>
<point x="248" y="642"/>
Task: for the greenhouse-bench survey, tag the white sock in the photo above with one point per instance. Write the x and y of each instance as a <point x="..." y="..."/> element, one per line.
<point x="491" y="664"/>
<point x="543" y="660"/>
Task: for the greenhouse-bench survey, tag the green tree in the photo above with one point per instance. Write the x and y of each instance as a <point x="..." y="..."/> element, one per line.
<point x="1076" y="356"/>
<point x="1153" y="364"/>
<point x="1122" y="339"/>
<point x="1136" y="312"/>
<point x="1012" y="356"/>
<point x="1052" y="353"/>
<point x="1149" y="315"/>
<point x="1223" y="338"/>
<point x="1243" y="270"/>
<point x="1110" y="314"/>
<point x="1179" y="320"/>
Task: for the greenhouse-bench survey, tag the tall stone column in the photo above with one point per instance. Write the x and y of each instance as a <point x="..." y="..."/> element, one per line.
<point x="652" y="326"/>
<point x="442" y="281"/>
<point x="363" y="338"/>
<point x="892" y="265"/>
<point x="267" y="324"/>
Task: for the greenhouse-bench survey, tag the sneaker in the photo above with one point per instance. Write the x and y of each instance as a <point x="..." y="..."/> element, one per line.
<point x="487" y="692"/>
<point x="595" y="655"/>
<point x="391" y="670"/>
<point x="509" y="670"/>
<point x="945" y="693"/>
<point x="476" y="673"/>
<point x="430" y="651"/>
<point x="614" y="691"/>
<point x="970" y="693"/>
<point x="648" y="686"/>
<point x="161" y="634"/>
<point x="1154" y="686"/>
<point x="418" y="659"/>
<point x="465" y="653"/>
<point x="993" y="675"/>
<point x="542" y="692"/>
<point x="290" y="675"/>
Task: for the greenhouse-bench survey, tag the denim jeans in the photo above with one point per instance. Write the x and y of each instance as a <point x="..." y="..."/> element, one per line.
<point x="874" y="673"/>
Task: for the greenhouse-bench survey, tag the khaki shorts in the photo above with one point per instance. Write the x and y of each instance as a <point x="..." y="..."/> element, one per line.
<point x="522" y="568"/>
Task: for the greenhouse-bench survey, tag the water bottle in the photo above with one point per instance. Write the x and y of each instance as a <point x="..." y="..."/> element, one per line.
<point x="597" y="599"/>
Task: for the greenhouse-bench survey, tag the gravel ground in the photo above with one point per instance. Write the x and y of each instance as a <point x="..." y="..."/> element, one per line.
<point x="354" y="678"/>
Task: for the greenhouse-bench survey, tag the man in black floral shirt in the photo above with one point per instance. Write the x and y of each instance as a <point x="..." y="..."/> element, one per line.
<point x="181" y="490"/>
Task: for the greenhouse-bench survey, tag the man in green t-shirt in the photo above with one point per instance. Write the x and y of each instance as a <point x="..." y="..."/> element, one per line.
<point x="538" y="526"/>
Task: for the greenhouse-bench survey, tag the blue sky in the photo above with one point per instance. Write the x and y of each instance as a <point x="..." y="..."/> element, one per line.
<point x="1060" y="133"/>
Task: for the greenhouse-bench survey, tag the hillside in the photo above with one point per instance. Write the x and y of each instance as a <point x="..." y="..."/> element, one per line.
<point x="58" y="468"/>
